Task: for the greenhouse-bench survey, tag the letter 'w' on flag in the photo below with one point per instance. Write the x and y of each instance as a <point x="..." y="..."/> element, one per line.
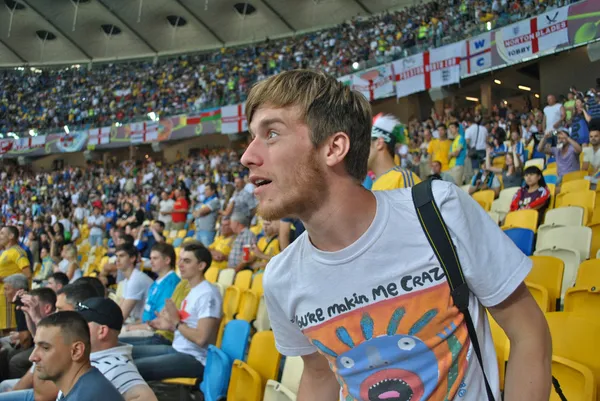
<point x="99" y="136"/>
<point x="233" y="119"/>
<point x="535" y="35"/>
<point x="477" y="54"/>
<point x="143" y="132"/>
<point x="376" y="83"/>
<point x="432" y="69"/>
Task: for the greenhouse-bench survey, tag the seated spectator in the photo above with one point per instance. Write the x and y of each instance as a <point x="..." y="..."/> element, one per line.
<point x="516" y="145"/>
<point x="21" y="339"/>
<point x="62" y="356"/>
<point x="245" y="240"/>
<point x="566" y="152"/>
<point x="534" y="195"/>
<point x="97" y="223"/>
<point x="47" y="266"/>
<point x="221" y="246"/>
<point x="289" y="230"/>
<point x="206" y="214"/>
<point x="499" y="148"/>
<point x="12" y="285"/>
<point x="69" y="264"/>
<point x="94" y="282"/>
<point x="195" y="325"/>
<point x="267" y="246"/>
<point x="483" y="180"/>
<point x="110" y="357"/>
<point x="511" y="173"/>
<point x="162" y="260"/>
<point x="56" y="281"/>
<point x="136" y="284"/>
<point x="436" y="171"/>
<point x="591" y="154"/>
<point x="72" y="294"/>
<point x="147" y="237"/>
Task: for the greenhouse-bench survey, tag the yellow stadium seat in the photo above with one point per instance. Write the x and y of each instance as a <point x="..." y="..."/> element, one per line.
<point x="564" y="216"/>
<point x="243" y="279"/>
<point x="181" y="233"/>
<point x="188" y="240"/>
<point x="574" y="186"/>
<point x="499" y="162"/>
<point x="508" y="193"/>
<point x="485" y="198"/>
<point x="552" y="190"/>
<point x="182" y="381"/>
<point x="290" y="381"/>
<point x="548" y="271"/>
<point x="584" y="199"/>
<point x="585" y="296"/>
<point x="540" y="294"/>
<point x="575" y="337"/>
<point x="550" y="166"/>
<point x="173" y="234"/>
<point x="595" y="245"/>
<point x="248" y="306"/>
<point x="550" y="171"/>
<point x="501" y="206"/>
<point x="577" y="381"/>
<point x="539" y="163"/>
<point x="169" y="240"/>
<point x="257" y="284"/>
<point x="248" y="380"/>
<point x="224" y="321"/>
<point x="502" y="346"/>
<point x="575" y="175"/>
<point x="211" y="274"/>
<point x="226" y="277"/>
<point x="231" y="301"/>
<point x="521" y="219"/>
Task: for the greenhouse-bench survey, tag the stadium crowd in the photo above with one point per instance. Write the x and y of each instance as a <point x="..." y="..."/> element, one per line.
<point x="96" y="96"/>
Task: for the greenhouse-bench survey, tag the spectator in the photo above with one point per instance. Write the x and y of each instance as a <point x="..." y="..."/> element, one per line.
<point x="484" y="179"/>
<point x="267" y="246"/>
<point x="206" y="214"/>
<point x="534" y="195"/>
<point x="385" y="133"/>
<point x="512" y="172"/>
<point x="62" y="356"/>
<point x="220" y="249"/>
<point x="165" y="208"/>
<point x="591" y="154"/>
<point x="476" y="137"/>
<point x="57" y="281"/>
<point x="180" y="210"/>
<point x="69" y="265"/>
<point x="195" y="325"/>
<point x="47" y="266"/>
<point x="242" y="202"/>
<point x="245" y="240"/>
<point x="11" y="285"/>
<point x="70" y="295"/>
<point x="458" y="153"/>
<point x="112" y="359"/>
<point x="439" y="149"/>
<point x="20" y="339"/>
<point x="162" y="260"/>
<point x="95" y="283"/>
<point x="436" y="172"/>
<point x="554" y="115"/>
<point x="135" y="285"/>
<point x="147" y="238"/>
<point x="566" y="152"/>
<point x="289" y="230"/>
<point x="97" y="224"/>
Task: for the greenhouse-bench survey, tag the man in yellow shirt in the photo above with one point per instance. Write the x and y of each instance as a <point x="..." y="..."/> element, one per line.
<point x="12" y="261"/>
<point x="439" y="149"/>
<point x="385" y="133"/>
<point x="221" y="246"/>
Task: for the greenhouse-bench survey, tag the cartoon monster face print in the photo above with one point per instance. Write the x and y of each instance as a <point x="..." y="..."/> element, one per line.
<point x="392" y="367"/>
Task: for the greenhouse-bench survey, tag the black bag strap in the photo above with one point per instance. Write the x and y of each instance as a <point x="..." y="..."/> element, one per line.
<point x="439" y="238"/>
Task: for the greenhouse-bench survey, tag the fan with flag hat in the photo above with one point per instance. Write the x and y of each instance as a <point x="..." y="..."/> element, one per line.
<point x="389" y="128"/>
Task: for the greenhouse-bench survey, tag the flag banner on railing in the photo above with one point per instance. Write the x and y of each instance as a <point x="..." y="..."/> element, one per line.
<point x="72" y="142"/>
<point x="6" y="145"/>
<point x="534" y="35"/>
<point x="99" y="136"/>
<point x="477" y="54"/>
<point x="29" y="143"/>
<point x="233" y="119"/>
<point x="432" y="69"/>
<point x="143" y="132"/>
<point x="376" y="83"/>
<point x="204" y="117"/>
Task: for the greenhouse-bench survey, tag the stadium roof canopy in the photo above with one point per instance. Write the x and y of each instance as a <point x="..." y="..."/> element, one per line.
<point x="41" y="32"/>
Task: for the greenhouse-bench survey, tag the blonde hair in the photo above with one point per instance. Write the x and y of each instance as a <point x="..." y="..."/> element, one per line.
<point x="326" y="107"/>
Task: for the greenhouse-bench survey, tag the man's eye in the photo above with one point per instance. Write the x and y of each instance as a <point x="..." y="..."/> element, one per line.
<point x="271" y="134"/>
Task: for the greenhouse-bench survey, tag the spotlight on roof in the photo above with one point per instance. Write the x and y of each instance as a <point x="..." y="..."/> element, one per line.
<point x="355" y="65"/>
<point x="472" y="99"/>
<point x="66" y="128"/>
<point x="153" y="116"/>
<point x="32" y="133"/>
<point x="524" y="88"/>
<point x="497" y="81"/>
<point x="488" y="25"/>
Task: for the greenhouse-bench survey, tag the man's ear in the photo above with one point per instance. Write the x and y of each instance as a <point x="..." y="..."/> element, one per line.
<point x="336" y="148"/>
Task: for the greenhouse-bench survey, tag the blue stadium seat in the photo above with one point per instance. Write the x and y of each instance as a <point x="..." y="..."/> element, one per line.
<point x="550" y="179"/>
<point x="523" y="238"/>
<point x="177" y="242"/>
<point x="219" y="361"/>
<point x="190" y="233"/>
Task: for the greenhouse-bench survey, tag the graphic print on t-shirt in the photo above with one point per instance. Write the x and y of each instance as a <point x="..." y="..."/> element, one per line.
<point x="409" y="348"/>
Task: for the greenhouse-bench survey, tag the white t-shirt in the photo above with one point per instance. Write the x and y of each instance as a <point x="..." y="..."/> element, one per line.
<point x="203" y="301"/>
<point x="591" y="157"/>
<point x="475" y="139"/>
<point x="552" y="114"/>
<point x="164" y="207"/>
<point x="380" y="310"/>
<point x="99" y="220"/>
<point x="136" y="287"/>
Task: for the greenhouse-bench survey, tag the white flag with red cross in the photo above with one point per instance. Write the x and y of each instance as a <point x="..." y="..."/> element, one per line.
<point x="376" y="83"/>
<point x="432" y="69"/>
<point x="29" y="143"/>
<point x="99" y="136"/>
<point x="477" y="54"/>
<point x="535" y="35"/>
<point x="6" y="145"/>
<point x="233" y="119"/>
<point x="143" y="132"/>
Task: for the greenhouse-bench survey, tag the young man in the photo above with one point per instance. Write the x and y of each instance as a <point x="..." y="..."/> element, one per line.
<point x="439" y="148"/>
<point x="591" y="154"/>
<point x="361" y="294"/>
<point x="566" y="152"/>
<point x="57" y="280"/>
<point x="162" y="259"/>
<point x="112" y="359"/>
<point x="206" y="214"/>
<point x="195" y="325"/>
<point x="386" y="131"/>
<point x="136" y="283"/>
<point x="62" y="356"/>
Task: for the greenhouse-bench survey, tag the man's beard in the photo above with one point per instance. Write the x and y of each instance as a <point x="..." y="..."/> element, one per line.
<point x="308" y="188"/>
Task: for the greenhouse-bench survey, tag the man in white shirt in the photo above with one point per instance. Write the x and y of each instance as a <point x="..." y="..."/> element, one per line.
<point x="97" y="224"/>
<point x="165" y="207"/>
<point x="364" y="301"/>
<point x="476" y="137"/>
<point x="195" y="325"/>
<point x="554" y="115"/>
<point x="136" y="283"/>
<point x="591" y="154"/>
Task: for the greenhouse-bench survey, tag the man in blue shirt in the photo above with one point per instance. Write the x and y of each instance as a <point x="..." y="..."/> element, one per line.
<point x="62" y="356"/>
<point x="458" y="153"/>
<point x="162" y="259"/>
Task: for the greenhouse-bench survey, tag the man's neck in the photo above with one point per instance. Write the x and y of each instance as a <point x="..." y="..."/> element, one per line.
<point x="164" y="272"/>
<point x="382" y="165"/>
<point x="194" y="281"/>
<point x="128" y="271"/>
<point x="345" y="198"/>
<point x="70" y="378"/>
<point x="103" y="346"/>
<point x="596" y="147"/>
